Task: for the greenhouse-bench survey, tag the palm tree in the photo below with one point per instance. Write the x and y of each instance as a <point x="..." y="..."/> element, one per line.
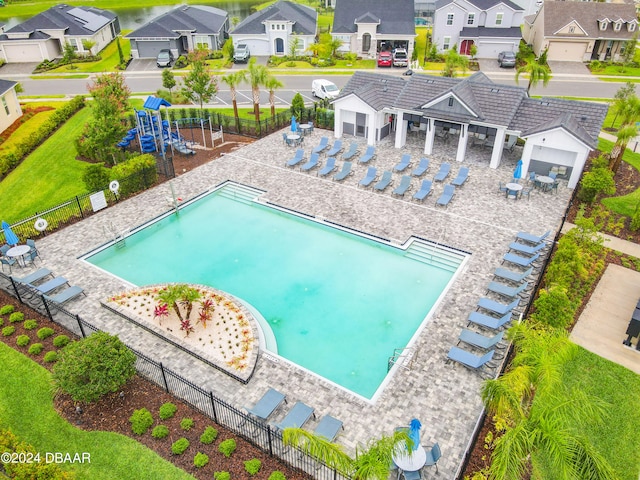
<point x="170" y="296"/>
<point x="540" y="416"/>
<point x="629" y="111"/>
<point x="537" y="71"/>
<point x="257" y="76"/>
<point x="272" y="84"/>
<point x="317" y="48"/>
<point x="233" y="80"/>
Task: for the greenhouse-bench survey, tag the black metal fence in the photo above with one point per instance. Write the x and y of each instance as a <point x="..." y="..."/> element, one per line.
<point x="260" y="434"/>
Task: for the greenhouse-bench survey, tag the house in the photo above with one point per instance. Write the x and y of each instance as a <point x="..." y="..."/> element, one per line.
<point x="10" y="110"/>
<point x="367" y="27"/>
<point x="556" y="132"/>
<point x="44" y="36"/>
<point x="493" y="26"/>
<point x="278" y="28"/>
<point x="181" y="30"/>
<point x="581" y="31"/>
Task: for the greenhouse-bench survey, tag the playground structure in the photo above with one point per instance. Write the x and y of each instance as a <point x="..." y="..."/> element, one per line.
<point x="154" y="134"/>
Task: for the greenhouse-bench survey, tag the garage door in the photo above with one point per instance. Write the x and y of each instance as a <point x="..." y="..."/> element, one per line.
<point x="22" y="53"/>
<point x="257" y="47"/>
<point x="489" y="49"/>
<point x="149" y="49"/>
<point x="566" y="52"/>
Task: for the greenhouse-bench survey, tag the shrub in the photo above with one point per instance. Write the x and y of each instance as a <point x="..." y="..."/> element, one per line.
<point x="93" y="367"/>
<point x="277" y="475"/>
<point x="1" y="322"/>
<point x="167" y="410"/>
<point x="95" y="177"/>
<point x="227" y="447"/>
<point x="7" y="309"/>
<point x="45" y="332"/>
<point x="252" y="466"/>
<point x="161" y="431"/>
<point x="222" y="476"/>
<point x="209" y="435"/>
<point x="598" y="180"/>
<point x="61" y="341"/>
<point x="141" y="421"/>
<point x="30" y="324"/>
<point x="200" y="460"/>
<point x="51" y="356"/>
<point x="35" y="349"/>
<point x="179" y="446"/>
<point x="136" y="173"/>
<point x="6" y="331"/>
<point x="28" y="470"/>
<point x="22" y="340"/>
<point x="635" y="221"/>
<point x="16" y="317"/>
<point x="186" y="424"/>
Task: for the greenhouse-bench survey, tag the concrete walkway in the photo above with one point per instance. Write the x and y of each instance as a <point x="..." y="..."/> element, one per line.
<point x="614" y="243"/>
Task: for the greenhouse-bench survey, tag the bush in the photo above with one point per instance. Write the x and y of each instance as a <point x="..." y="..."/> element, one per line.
<point x="209" y="435"/>
<point x="200" y="460"/>
<point x="30" y="324"/>
<point x="22" y="340"/>
<point x="252" y="466"/>
<point x="161" y="431"/>
<point x="6" y="331"/>
<point x="277" y="475"/>
<point x="93" y="367"/>
<point x="16" y="317"/>
<point x="61" y="341"/>
<point x="181" y="62"/>
<point x="227" y="447"/>
<point x="51" y="356"/>
<point x="35" y="349"/>
<point x="95" y="177"/>
<point x="141" y="421"/>
<point x="186" y="424"/>
<point x="28" y="470"/>
<point x="222" y="476"/>
<point x="179" y="446"/>
<point x="596" y="181"/>
<point x="45" y="332"/>
<point x="7" y="309"/>
<point x="167" y="410"/>
<point x="135" y="174"/>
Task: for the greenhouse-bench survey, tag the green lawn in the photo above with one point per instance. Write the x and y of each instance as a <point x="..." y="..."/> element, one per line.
<point x="26" y="408"/>
<point x="108" y="62"/>
<point x="625" y="204"/>
<point x="25" y="130"/>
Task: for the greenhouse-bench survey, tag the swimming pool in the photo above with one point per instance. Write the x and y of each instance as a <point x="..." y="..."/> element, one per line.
<point x="338" y="303"/>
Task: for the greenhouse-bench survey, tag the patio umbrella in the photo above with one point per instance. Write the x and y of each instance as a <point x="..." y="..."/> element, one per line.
<point x="10" y="237"/>
<point x="294" y="125"/>
<point x="414" y="432"/>
<point x="517" y="173"/>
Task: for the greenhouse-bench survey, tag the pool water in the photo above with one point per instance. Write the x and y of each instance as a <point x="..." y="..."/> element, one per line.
<point x="338" y="303"/>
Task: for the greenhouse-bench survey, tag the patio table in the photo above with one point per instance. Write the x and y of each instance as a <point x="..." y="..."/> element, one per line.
<point x="304" y="128"/>
<point x="409" y="461"/>
<point x="18" y="252"/>
<point x="513" y="187"/>
<point x="545" y="182"/>
<point x="294" y="138"/>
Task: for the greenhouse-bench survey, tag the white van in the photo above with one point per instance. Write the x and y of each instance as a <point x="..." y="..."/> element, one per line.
<point x="324" y="89"/>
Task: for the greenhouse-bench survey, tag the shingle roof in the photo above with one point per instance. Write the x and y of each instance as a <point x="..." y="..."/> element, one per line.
<point x="33" y="36"/>
<point x="586" y="14"/>
<point x="304" y="18"/>
<point x="396" y="18"/>
<point x="489" y="103"/>
<point x="74" y="20"/>
<point x="482" y="4"/>
<point x="6" y="85"/>
<point x="200" y="19"/>
<point x="484" y="32"/>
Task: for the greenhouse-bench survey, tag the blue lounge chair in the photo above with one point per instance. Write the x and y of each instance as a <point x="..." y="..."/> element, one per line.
<point x="528" y="249"/>
<point x="488" y="321"/>
<point x="296" y="417"/>
<point x="497" y="307"/>
<point x="371" y="175"/>
<point x="49" y="285"/>
<point x="344" y="173"/>
<point x="34" y="277"/>
<point x="384" y="182"/>
<point x="66" y="295"/>
<point x="422" y="168"/>
<point x="405" y="161"/>
<point x="443" y="173"/>
<point x="313" y="162"/>
<point x="267" y="404"/>
<point x="447" y="195"/>
<point x="328" y="427"/>
<point x="506" y="290"/>
<point x="480" y="341"/>
<point x="299" y="156"/>
<point x="424" y="192"/>
<point x="369" y="154"/>
<point x="530" y="238"/>
<point x="324" y="143"/>
<point x="329" y="167"/>
<point x="511" y="276"/>
<point x="405" y="184"/>
<point x="462" y="176"/>
<point x="469" y="360"/>
<point x="520" y="261"/>
<point x="336" y="149"/>
<point x="353" y="149"/>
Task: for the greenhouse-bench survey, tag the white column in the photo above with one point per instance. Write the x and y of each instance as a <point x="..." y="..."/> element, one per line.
<point x="496" y="154"/>
<point x="462" y="142"/>
<point x="372" y="124"/>
<point x="431" y="135"/>
<point x="401" y="131"/>
<point x="527" y="151"/>
<point x="337" y="123"/>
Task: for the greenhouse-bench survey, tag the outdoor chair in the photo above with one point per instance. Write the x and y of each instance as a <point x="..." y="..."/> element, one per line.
<point x="497" y="307"/>
<point x="344" y="173"/>
<point x="445" y="168"/>
<point x="422" y="168"/>
<point x="371" y="175"/>
<point x="66" y="295"/>
<point x="296" y="417"/>
<point x="328" y="427"/>
<point x="530" y="238"/>
<point x="30" y="257"/>
<point x="369" y="154"/>
<point x="462" y="176"/>
<point x="553" y="175"/>
<point x="511" y="276"/>
<point x="433" y="455"/>
<point x="285" y="139"/>
<point x="532" y="177"/>
<point x="520" y="261"/>
<point x="267" y="404"/>
<point x="336" y="149"/>
<point x="384" y="182"/>
<point x="405" y="161"/>
<point x="411" y="475"/>
<point x="4" y="249"/>
<point x="353" y="150"/>
<point x="299" y="156"/>
<point x="480" y="341"/>
<point x="49" y="286"/>
<point x="324" y="143"/>
<point x="329" y="167"/>
<point x="10" y="262"/>
<point x="502" y="188"/>
<point x="405" y="184"/>
<point x="525" y="192"/>
<point x="32" y="244"/>
<point x="34" y="277"/>
<point x="527" y="249"/>
<point x="469" y="360"/>
<point x="424" y="192"/>
<point x="446" y="196"/>
<point x="311" y="163"/>
<point x="488" y="321"/>
<point x="506" y="290"/>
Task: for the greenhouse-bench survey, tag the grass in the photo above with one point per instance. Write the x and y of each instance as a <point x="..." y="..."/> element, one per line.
<point x="617" y="438"/>
<point x="26" y="407"/>
<point x="625" y="204"/>
<point x="57" y="77"/>
<point x="107" y="63"/>
<point x="25" y="130"/>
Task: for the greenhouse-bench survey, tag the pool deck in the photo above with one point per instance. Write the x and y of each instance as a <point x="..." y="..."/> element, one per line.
<point x="444" y="396"/>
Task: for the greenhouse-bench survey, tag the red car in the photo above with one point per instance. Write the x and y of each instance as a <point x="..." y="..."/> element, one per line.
<point x="385" y="59"/>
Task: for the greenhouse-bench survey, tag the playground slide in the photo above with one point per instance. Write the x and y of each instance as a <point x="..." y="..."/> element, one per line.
<point x="182" y="148"/>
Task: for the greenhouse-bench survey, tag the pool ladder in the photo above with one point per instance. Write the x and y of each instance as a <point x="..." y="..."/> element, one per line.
<point x="116" y="236"/>
<point x="404" y="357"/>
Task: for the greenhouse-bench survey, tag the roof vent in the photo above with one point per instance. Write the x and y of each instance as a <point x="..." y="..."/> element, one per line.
<point x="583" y="118"/>
<point x="495" y="90"/>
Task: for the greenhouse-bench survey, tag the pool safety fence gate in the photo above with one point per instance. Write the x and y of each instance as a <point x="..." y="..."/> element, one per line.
<point x="262" y="435"/>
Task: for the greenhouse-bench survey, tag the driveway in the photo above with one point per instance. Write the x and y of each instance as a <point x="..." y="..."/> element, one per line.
<point x="568" y="68"/>
<point x="491" y="65"/>
<point x="18" y="69"/>
<point x="143" y="65"/>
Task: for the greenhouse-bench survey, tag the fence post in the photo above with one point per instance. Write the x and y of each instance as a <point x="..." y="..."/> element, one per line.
<point x="164" y="378"/>
<point x="79" y="207"/>
<point x="269" y="440"/>
<point x="84" y="335"/>
<point x="46" y="307"/>
<point x="213" y="406"/>
<point x="15" y="287"/>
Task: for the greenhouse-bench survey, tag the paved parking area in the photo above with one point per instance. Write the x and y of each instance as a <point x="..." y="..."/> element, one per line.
<point x="479" y="220"/>
<point x="143" y="65"/>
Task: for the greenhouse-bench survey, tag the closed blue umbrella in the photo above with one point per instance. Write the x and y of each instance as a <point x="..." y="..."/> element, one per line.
<point x="517" y="173"/>
<point x="414" y="432"/>
<point x="10" y="237"/>
<point x="294" y="125"/>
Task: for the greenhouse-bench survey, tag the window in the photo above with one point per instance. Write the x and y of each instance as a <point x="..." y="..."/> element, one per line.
<point x="631" y="27"/>
<point x="449" y="18"/>
<point x="201" y="41"/>
<point x="470" y="18"/>
<point x="366" y="42"/>
<point x="446" y="43"/>
<point x="273" y="27"/>
<point x="74" y="43"/>
<point x="572" y="29"/>
<point x="603" y="25"/>
<point x="4" y="104"/>
<point x="499" y="18"/>
<point x="617" y="26"/>
<point x="451" y="101"/>
<point x="278" y="27"/>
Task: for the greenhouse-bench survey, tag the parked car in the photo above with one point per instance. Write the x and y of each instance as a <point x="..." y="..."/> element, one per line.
<point x="400" y="58"/>
<point x="241" y="53"/>
<point x="507" y="59"/>
<point x="385" y="59"/>
<point x="164" y="58"/>
<point x="324" y="89"/>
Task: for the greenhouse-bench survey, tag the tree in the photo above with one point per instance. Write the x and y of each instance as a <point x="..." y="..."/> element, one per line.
<point x="69" y="54"/>
<point x="88" y="45"/>
<point x="629" y="111"/>
<point x="120" y="54"/>
<point x="297" y="106"/>
<point x="333" y="45"/>
<point x="94" y="366"/>
<point x="629" y="51"/>
<point x="454" y="61"/>
<point x="233" y="80"/>
<point x="168" y="80"/>
<point x="294" y="44"/>
<point x="257" y="76"/>
<point x="620" y="98"/>
<point x="538" y="414"/>
<point x="272" y="84"/>
<point x="537" y="71"/>
<point x="228" y="50"/>
<point x="199" y="85"/>
<point x="317" y="49"/>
